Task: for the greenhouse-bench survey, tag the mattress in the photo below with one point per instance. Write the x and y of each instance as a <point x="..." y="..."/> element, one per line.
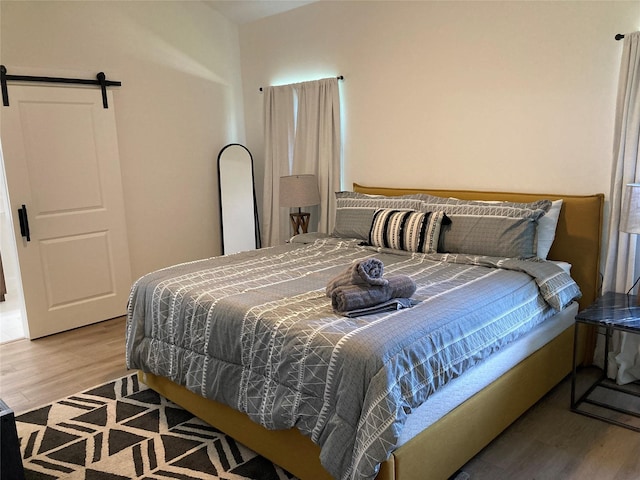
<point x="474" y="380"/>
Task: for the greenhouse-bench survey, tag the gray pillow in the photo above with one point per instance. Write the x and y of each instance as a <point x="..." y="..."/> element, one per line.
<point x="354" y="212"/>
<point x="498" y="229"/>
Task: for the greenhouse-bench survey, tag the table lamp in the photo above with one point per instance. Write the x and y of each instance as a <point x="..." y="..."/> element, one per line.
<point x="297" y="191"/>
<point x="630" y="214"/>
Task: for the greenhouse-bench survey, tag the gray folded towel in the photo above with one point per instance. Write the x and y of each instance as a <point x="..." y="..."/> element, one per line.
<point x="388" y="306"/>
<point x="363" y="272"/>
<point x="402" y="286"/>
<point x="354" y="297"/>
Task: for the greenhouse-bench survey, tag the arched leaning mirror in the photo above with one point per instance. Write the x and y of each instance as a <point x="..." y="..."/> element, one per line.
<point x="238" y="208"/>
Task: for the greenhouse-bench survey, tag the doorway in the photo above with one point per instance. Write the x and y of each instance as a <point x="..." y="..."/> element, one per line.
<point x="12" y="312"/>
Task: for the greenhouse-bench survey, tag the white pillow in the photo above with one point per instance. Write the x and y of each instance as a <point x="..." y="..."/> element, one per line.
<point x="563" y="265"/>
<point x="547" y="229"/>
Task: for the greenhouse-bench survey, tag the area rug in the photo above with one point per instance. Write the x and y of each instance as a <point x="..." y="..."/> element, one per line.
<point x="124" y="430"/>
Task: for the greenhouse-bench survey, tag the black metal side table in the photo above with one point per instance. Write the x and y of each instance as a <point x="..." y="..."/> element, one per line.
<point x="612" y="311"/>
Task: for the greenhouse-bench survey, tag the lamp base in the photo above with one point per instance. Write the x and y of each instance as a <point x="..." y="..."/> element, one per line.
<point x="299" y="222"/>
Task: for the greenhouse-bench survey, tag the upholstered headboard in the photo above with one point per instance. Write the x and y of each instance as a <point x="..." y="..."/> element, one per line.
<point x="578" y="235"/>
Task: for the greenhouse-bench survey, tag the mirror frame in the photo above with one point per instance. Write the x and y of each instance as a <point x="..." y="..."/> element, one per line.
<point x="256" y="223"/>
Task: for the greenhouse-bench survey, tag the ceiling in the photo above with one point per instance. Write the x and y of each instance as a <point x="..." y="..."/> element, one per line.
<point x="245" y="11"/>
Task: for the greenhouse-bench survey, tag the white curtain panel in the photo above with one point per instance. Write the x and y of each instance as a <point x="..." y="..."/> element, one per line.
<point x="302" y="136"/>
<point x="317" y="144"/>
<point x="623" y="249"/>
<point x="279" y="129"/>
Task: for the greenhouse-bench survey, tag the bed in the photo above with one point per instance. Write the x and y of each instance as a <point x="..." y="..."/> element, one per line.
<point x="446" y="436"/>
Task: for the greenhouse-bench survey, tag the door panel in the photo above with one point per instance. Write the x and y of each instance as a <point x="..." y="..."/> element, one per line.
<point x="77" y="269"/>
<point x="61" y="161"/>
<point x="76" y="166"/>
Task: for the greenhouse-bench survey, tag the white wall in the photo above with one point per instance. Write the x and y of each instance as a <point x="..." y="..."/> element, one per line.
<point x="475" y="95"/>
<point x="487" y="95"/>
<point x="179" y="104"/>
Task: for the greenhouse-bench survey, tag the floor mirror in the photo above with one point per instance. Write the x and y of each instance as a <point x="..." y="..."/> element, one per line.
<point x="238" y="209"/>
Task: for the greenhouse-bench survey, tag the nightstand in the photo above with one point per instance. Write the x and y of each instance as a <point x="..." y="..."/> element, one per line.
<point x="10" y="457"/>
<point x="612" y="311"/>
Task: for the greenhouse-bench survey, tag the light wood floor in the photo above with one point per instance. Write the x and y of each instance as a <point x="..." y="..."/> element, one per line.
<point x="548" y="442"/>
<point x="36" y="372"/>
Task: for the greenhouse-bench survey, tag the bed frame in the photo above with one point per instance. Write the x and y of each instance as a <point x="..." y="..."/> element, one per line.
<point x="444" y="447"/>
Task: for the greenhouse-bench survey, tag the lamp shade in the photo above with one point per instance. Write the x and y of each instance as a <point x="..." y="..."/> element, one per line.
<point x="630" y="214"/>
<point x="299" y="191"/>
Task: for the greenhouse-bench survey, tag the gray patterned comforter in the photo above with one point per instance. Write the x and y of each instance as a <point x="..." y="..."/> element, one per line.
<point x="256" y="331"/>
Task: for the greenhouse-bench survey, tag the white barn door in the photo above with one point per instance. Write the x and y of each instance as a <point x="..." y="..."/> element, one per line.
<point x="61" y="162"/>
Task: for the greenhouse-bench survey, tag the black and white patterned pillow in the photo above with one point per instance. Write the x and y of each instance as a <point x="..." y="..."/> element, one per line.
<point x="406" y="230"/>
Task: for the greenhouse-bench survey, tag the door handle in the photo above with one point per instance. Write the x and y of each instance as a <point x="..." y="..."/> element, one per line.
<point x="24" y="223"/>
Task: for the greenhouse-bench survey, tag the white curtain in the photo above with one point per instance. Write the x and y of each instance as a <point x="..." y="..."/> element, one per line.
<point x="302" y="136"/>
<point x="279" y="128"/>
<point x="623" y="249"/>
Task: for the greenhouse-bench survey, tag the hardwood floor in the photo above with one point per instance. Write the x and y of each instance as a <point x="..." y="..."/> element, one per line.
<point x="551" y="442"/>
<point x="548" y="442"/>
<point x="36" y="372"/>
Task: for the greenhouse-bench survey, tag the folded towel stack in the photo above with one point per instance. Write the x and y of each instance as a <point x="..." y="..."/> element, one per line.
<point x="363" y="287"/>
<point x="366" y="272"/>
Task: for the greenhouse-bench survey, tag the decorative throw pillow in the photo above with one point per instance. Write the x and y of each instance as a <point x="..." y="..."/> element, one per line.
<point x="354" y="212"/>
<point x="406" y="230"/>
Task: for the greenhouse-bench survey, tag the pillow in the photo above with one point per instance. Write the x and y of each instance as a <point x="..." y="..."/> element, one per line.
<point x="406" y="230"/>
<point x="354" y="212"/>
<point x="500" y="229"/>
<point x="547" y="229"/>
<point x="566" y="266"/>
<point x="547" y="225"/>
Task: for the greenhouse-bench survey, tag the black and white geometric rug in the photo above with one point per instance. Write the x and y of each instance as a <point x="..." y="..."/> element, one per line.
<point x="123" y="430"/>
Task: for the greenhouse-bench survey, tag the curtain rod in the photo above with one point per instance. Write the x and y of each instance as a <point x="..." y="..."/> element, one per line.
<point x="339" y="77"/>
<point x="619" y="36"/>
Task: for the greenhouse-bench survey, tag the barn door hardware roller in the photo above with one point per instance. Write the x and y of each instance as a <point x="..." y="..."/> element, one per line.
<point x="101" y="81"/>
